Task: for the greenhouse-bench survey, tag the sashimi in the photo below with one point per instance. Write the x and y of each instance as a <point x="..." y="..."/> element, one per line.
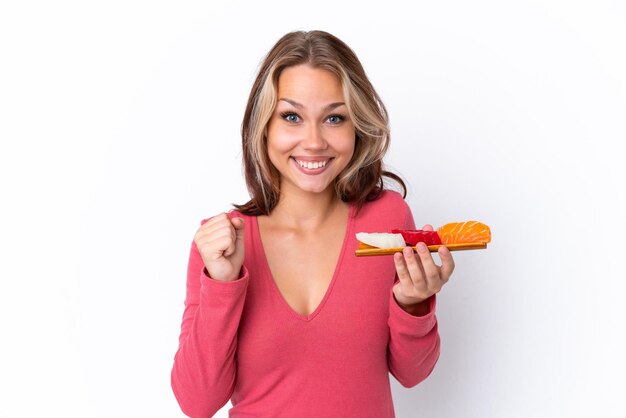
<point x="381" y="239"/>
<point x="464" y="232"/>
<point x="413" y="236"/>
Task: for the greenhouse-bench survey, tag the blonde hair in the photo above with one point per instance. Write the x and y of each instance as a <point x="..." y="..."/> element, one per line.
<point x="362" y="179"/>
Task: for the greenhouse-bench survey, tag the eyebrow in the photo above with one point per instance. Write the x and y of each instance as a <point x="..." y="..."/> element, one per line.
<point x="300" y="106"/>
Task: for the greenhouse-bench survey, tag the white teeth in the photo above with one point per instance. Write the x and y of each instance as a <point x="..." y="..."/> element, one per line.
<point x="311" y="165"/>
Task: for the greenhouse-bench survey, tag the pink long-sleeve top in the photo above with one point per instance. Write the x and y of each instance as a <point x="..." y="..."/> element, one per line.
<point x="241" y="341"/>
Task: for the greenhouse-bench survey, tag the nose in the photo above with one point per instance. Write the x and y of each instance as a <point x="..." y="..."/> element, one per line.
<point x="314" y="139"/>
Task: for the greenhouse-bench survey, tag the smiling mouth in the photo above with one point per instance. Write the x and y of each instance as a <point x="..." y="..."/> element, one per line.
<point x="312" y="164"/>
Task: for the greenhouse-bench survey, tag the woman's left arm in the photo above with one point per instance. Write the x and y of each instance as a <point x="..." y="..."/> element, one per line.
<point x="413" y="348"/>
<point x="414" y="340"/>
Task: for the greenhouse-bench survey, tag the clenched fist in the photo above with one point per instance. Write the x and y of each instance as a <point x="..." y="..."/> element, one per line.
<point x="220" y="243"/>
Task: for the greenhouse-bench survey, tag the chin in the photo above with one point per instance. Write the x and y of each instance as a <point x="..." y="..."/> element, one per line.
<point x="313" y="188"/>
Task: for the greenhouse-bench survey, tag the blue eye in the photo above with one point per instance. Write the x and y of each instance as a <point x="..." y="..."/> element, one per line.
<point x="335" y="119"/>
<point x="290" y="116"/>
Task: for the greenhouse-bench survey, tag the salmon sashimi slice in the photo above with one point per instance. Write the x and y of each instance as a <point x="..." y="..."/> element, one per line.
<point x="464" y="232"/>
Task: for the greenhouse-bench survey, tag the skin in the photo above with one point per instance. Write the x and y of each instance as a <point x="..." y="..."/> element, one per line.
<point x="303" y="235"/>
<point x="310" y="121"/>
<point x="420" y="277"/>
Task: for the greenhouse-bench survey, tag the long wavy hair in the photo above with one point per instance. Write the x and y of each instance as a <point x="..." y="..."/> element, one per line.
<point x="362" y="180"/>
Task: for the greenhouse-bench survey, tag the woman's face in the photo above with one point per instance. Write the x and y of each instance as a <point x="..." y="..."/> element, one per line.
<point x="310" y="137"/>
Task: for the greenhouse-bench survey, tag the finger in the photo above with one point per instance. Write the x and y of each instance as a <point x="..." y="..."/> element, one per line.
<point x="401" y="270"/>
<point x="240" y="227"/>
<point x="447" y="263"/>
<point x="225" y="233"/>
<point x="224" y="246"/>
<point x="232" y="246"/>
<point x="428" y="227"/>
<point x="414" y="266"/>
<point x="214" y="224"/>
<point x="218" y="230"/>
<point x="236" y="225"/>
<point x="220" y="217"/>
<point x="431" y="270"/>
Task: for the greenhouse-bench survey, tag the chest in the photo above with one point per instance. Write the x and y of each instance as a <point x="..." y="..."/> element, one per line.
<point x="303" y="266"/>
<point x="352" y="317"/>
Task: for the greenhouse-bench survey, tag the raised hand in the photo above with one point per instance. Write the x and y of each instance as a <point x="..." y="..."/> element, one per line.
<point x="220" y="242"/>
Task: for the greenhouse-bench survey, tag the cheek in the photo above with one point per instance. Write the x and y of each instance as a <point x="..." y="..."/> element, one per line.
<point x="278" y="147"/>
<point x="279" y="140"/>
<point x="276" y="143"/>
<point x="348" y="151"/>
<point x="345" y="142"/>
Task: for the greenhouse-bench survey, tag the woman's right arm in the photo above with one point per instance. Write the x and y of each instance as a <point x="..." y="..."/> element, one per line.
<point x="203" y="375"/>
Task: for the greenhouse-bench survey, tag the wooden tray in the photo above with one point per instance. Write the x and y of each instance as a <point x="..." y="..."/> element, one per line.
<point x="367" y="250"/>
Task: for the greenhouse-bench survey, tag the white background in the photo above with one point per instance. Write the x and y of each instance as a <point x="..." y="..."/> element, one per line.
<point x="119" y="123"/>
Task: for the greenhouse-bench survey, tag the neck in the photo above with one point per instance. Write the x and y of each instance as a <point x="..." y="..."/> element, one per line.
<point x="306" y="211"/>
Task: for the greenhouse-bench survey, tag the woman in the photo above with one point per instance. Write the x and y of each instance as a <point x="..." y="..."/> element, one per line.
<point x="280" y="316"/>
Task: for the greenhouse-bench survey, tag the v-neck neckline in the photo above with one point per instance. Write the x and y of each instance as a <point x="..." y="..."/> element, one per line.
<point x="267" y="272"/>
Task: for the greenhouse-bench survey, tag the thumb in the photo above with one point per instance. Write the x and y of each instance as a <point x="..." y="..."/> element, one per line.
<point x="236" y="247"/>
<point x="240" y="227"/>
<point x="240" y="230"/>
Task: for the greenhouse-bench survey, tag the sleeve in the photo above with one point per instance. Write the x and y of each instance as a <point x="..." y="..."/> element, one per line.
<point x="203" y="375"/>
<point x="413" y="343"/>
<point x="413" y="348"/>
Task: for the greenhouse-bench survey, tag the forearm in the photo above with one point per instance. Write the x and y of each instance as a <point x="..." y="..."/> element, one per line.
<point x="204" y="370"/>
<point x="413" y="343"/>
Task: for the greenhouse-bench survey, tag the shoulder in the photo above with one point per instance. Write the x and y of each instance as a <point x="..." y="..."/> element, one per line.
<point x="388" y="200"/>
<point x="388" y="211"/>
